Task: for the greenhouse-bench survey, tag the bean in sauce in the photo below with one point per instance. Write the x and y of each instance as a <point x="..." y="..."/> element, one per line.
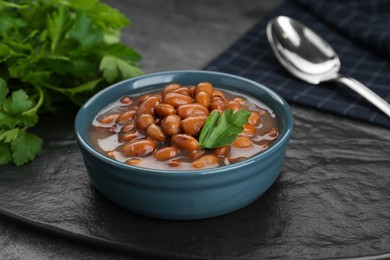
<point x="160" y="130"/>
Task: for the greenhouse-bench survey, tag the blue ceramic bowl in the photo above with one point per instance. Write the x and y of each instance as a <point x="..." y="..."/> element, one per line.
<point x="191" y="194"/>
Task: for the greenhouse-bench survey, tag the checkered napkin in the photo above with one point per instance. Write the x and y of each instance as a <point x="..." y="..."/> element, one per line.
<point x="359" y="31"/>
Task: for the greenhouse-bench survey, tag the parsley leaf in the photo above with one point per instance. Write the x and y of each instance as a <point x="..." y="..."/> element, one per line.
<point x="72" y="51"/>
<point x="16" y="116"/>
<point x="5" y="153"/>
<point x="57" y="22"/>
<point x="17" y="104"/>
<point x="85" y="32"/>
<point x="113" y="67"/>
<point x="3" y="90"/>
<point x="222" y="130"/>
<point x="25" y="148"/>
<point x="9" y="135"/>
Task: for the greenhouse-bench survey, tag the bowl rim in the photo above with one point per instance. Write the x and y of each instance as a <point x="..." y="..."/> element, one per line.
<point x="130" y="169"/>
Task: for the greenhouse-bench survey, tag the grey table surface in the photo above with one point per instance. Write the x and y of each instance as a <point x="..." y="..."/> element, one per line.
<point x="170" y="35"/>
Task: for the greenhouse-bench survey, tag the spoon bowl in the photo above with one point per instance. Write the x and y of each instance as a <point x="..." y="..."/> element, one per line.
<point x="310" y="58"/>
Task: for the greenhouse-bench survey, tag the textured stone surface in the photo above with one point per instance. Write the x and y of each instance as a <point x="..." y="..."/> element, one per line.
<point x="331" y="200"/>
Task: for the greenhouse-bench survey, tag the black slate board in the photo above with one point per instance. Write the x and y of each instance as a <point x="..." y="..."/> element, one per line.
<point x="331" y="200"/>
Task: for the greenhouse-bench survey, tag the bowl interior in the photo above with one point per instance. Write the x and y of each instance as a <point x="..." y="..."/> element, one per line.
<point x="153" y="82"/>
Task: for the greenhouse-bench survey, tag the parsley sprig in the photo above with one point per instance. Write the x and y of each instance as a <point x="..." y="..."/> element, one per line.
<point x="17" y="114"/>
<point x="51" y="52"/>
<point x="222" y="130"/>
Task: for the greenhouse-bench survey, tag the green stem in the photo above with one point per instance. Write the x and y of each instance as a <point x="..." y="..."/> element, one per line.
<point x="35" y="109"/>
<point x="62" y="91"/>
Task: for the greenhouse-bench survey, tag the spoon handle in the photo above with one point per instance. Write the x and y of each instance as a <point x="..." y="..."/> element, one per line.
<point x="365" y="92"/>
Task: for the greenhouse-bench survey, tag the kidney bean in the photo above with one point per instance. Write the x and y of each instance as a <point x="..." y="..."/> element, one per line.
<point x="128" y="127"/>
<point x="125" y="117"/>
<point x="249" y="130"/>
<point x="139" y="147"/>
<point x="176" y="99"/>
<point x="169" y="88"/>
<point x="185" y="142"/>
<point x="237" y="159"/>
<point x="108" y="119"/>
<point x="166" y="153"/>
<point x="192" y="125"/>
<point x="272" y="134"/>
<point x="160" y="97"/>
<point x="128" y="136"/>
<point x="155" y="132"/>
<point x="195" y="154"/>
<point x="205" y="160"/>
<point x="234" y="105"/>
<point x="143" y="98"/>
<point x="148" y="106"/>
<point x="143" y="121"/>
<point x="111" y="154"/>
<point x="175" y="162"/>
<point x="203" y="99"/>
<point x="240" y="100"/>
<point x="134" y="161"/>
<point x="165" y="109"/>
<point x="242" y="142"/>
<point x="218" y="103"/>
<point x="192" y="89"/>
<point x="126" y="100"/>
<point x="254" y="118"/>
<point x="204" y="86"/>
<point x="217" y="94"/>
<point x="191" y="110"/>
<point x="222" y="151"/>
<point x="184" y="91"/>
<point x="170" y="125"/>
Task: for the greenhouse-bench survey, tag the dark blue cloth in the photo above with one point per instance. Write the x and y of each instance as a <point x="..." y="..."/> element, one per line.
<point x="359" y="31"/>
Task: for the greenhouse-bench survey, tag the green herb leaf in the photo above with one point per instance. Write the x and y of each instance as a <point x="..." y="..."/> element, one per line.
<point x="18" y="103"/>
<point x="25" y="148"/>
<point x="4" y="4"/>
<point x="123" y="52"/>
<point x="8" y="136"/>
<point x="208" y="127"/>
<point x="5" y="52"/>
<point x="107" y="17"/>
<point x="114" y="68"/>
<point x="16" y="116"/>
<point x="57" y="22"/>
<point x="85" y="32"/>
<point x="7" y="121"/>
<point x="5" y="153"/>
<point x="27" y="119"/>
<point x="3" y="91"/>
<point x="51" y="52"/>
<point x="222" y="130"/>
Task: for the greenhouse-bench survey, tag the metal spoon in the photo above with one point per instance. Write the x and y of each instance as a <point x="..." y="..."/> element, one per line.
<point x="310" y="58"/>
